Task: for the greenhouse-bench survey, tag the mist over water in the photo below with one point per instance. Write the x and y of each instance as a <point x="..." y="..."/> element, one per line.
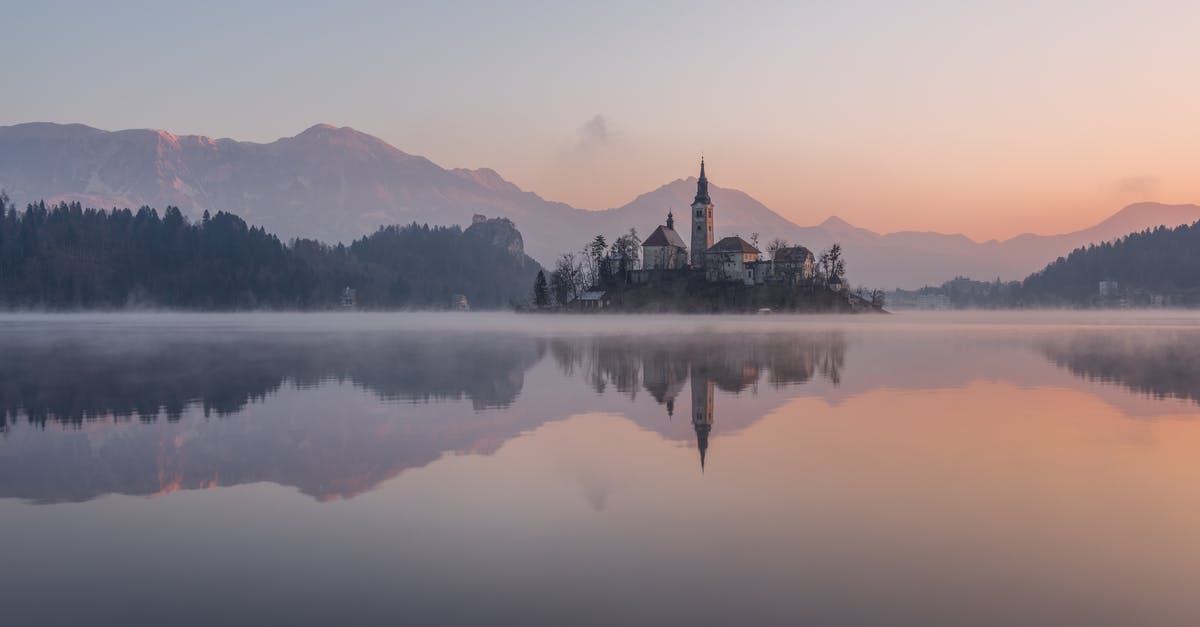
<point x="958" y="468"/>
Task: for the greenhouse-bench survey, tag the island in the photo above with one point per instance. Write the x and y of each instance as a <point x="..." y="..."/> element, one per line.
<point x="659" y="274"/>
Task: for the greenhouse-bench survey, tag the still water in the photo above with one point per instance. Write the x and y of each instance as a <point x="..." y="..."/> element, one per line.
<point x="496" y="469"/>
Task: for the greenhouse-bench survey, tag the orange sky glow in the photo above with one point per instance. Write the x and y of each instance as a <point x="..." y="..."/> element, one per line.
<point x="986" y="118"/>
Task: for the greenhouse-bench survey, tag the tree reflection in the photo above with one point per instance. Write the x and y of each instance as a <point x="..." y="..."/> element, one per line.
<point x="1163" y="364"/>
<point x="77" y="381"/>
<point x="135" y="410"/>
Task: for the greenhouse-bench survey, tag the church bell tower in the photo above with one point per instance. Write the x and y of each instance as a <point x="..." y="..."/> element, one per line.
<point x="702" y="220"/>
<point x="702" y="410"/>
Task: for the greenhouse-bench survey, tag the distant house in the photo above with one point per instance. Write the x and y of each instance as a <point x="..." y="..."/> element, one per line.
<point x="664" y="249"/>
<point x="592" y="300"/>
<point x="731" y="259"/>
<point x="459" y="302"/>
<point x="1108" y="288"/>
<point x="793" y="263"/>
<point x="349" y="298"/>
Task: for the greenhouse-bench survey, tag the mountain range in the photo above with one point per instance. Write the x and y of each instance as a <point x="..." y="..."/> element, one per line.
<point x="337" y="184"/>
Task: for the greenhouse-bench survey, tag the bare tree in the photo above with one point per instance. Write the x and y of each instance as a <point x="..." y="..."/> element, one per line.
<point x="593" y="259"/>
<point x="775" y="246"/>
<point x="830" y="266"/>
<point x="567" y="280"/>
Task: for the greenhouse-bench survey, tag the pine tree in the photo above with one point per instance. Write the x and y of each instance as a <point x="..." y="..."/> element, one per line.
<point x="541" y="291"/>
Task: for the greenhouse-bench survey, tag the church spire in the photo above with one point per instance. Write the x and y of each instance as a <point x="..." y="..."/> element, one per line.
<point x="702" y="432"/>
<point x="670" y="220"/>
<point x="702" y="186"/>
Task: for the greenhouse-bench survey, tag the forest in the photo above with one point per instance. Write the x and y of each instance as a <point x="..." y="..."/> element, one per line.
<point x="1156" y="267"/>
<point x="66" y="257"/>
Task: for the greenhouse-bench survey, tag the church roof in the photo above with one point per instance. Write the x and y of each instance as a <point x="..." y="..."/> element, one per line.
<point x="702" y="187"/>
<point x="792" y="254"/>
<point x="733" y="244"/>
<point x="662" y="236"/>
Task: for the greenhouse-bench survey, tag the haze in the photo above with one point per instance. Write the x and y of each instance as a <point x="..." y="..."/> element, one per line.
<point x="989" y="119"/>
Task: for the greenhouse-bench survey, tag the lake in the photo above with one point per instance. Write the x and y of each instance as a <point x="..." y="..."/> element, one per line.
<point x="362" y="469"/>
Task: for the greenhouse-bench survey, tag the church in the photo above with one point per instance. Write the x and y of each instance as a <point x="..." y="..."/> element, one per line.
<point x="664" y="249"/>
<point x="731" y="259"/>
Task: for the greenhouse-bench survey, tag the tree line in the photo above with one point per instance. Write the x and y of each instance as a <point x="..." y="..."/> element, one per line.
<point x="66" y="256"/>
<point x="1159" y="266"/>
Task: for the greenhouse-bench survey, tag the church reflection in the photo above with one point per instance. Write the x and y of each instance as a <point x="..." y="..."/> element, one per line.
<point x="702" y="412"/>
<point x="703" y="364"/>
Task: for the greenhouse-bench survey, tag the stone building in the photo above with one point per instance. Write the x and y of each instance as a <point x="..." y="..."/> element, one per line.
<point x="731" y="259"/>
<point x="793" y="263"/>
<point x="664" y="249"/>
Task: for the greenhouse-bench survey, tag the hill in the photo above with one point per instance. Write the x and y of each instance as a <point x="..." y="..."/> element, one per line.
<point x="335" y="183"/>
<point x="1159" y="266"/>
<point x="1150" y="268"/>
<point x="68" y="257"/>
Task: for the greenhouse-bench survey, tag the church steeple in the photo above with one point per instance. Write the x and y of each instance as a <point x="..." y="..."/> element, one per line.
<point x="670" y="220"/>
<point x="702" y="410"/>
<point x="702" y="432"/>
<point x="702" y="187"/>
<point x="702" y="220"/>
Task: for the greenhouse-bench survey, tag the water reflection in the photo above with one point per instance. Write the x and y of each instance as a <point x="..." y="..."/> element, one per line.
<point x="1163" y="364"/>
<point x="80" y="380"/>
<point x="337" y="414"/>
<point x="832" y="475"/>
<point x="313" y="430"/>
<point x="707" y="362"/>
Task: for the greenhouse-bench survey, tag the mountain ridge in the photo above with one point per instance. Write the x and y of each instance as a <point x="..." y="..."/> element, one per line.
<point x="336" y="183"/>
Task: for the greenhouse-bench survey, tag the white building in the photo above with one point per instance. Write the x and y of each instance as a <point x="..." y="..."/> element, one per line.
<point x="664" y="249"/>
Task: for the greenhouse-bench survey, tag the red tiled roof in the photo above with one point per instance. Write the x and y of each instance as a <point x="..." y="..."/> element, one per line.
<point x="733" y="244"/>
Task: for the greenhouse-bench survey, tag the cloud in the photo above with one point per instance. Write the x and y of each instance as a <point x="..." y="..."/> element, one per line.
<point x="595" y="145"/>
<point x="594" y="134"/>
<point x="1143" y="187"/>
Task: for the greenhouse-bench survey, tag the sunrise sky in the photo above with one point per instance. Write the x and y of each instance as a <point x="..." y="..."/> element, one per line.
<point x="986" y="118"/>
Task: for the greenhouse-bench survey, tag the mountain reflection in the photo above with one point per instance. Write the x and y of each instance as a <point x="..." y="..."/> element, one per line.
<point x="1164" y="364"/>
<point x="152" y="415"/>
<point x="336" y="414"/>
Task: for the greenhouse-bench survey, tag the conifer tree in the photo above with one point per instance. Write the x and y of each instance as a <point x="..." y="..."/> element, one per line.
<point x="541" y="291"/>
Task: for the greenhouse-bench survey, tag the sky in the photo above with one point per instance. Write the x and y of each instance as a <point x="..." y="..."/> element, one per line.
<point x="985" y="118"/>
